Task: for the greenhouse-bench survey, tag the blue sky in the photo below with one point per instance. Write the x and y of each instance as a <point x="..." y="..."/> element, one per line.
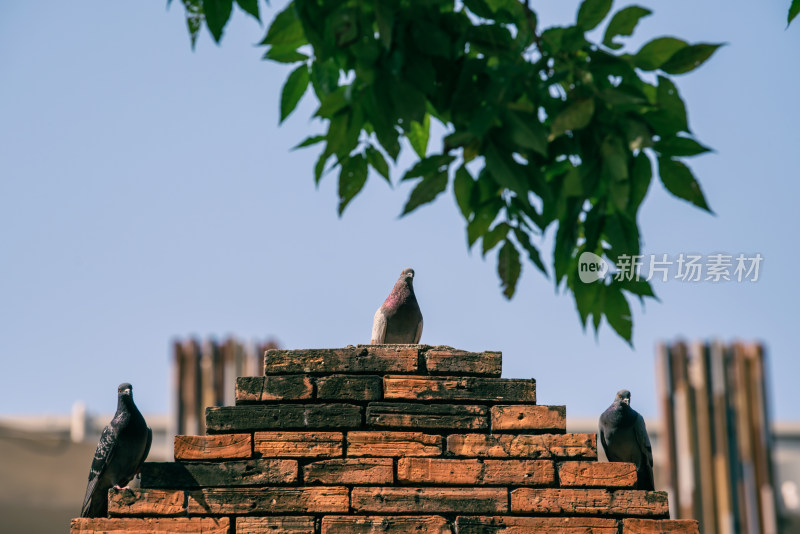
<point x="147" y="192"/>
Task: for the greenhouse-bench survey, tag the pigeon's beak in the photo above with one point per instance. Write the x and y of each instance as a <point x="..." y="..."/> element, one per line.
<point x="126" y="391"/>
<point x="627" y="401"/>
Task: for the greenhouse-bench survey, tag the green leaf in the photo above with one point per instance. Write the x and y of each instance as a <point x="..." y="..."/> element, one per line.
<point x="352" y="178"/>
<point x="585" y="297"/>
<point x="319" y="167"/>
<point x="217" y="14"/>
<point x="794" y="9"/>
<point x="618" y="312"/>
<point x="505" y="171"/>
<point x="641" y="176"/>
<point x="250" y="7"/>
<point x="679" y="147"/>
<point x="480" y="223"/>
<point x="428" y="189"/>
<point x="293" y="90"/>
<point x="308" y="141"/>
<point x="639" y="287"/>
<point x="509" y="268"/>
<point x="680" y="181"/>
<point x="622" y="235"/>
<point x="418" y="135"/>
<point x="670" y="117"/>
<point x="574" y="117"/>
<point x="337" y="135"/>
<point x="333" y="103"/>
<point x="378" y="162"/>
<point x="592" y="12"/>
<point x="284" y="54"/>
<point x="533" y="253"/>
<point x="194" y="19"/>
<point x="527" y="132"/>
<point x="384" y="16"/>
<point x="324" y="77"/>
<point x="623" y="23"/>
<point x="493" y="237"/>
<point x="689" y="58"/>
<point x="615" y="171"/>
<point x="655" y="53"/>
<point x="286" y="29"/>
<point x="430" y="165"/>
<point x="462" y="188"/>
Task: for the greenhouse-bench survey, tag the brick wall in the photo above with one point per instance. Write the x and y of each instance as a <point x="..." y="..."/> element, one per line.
<point x="386" y="439"/>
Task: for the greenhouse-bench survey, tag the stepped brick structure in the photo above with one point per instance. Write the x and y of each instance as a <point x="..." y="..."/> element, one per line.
<point x="386" y="439"/>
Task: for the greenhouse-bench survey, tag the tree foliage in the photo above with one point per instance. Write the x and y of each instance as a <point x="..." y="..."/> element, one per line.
<point x="545" y="127"/>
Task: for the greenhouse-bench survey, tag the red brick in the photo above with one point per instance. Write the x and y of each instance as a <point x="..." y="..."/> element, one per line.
<point x="523" y="445"/>
<point x="428" y="524"/>
<point x="659" y="526"/>
<point x="251" y="389"/>
<point x="560" y="501"/>
<point x="597" y="475"/>
<point x="278" y="524"/>
<point x="350" y="387"/>
<point x="146" y="502"/>
<point x="390" y="443"/>
<point x="350" y="471"/>
<point x="470" y="388"/>
<point x="220" y="446"/>
<point x="298" y="444"/>
<point x="379" y="359"/>
<point x="427" y="416"/>
<point x="429" y="500"/>
<point x="450" y="361"/>
<point x="280" y="416"/>
<point x="527" y="417"/>
<point x="180" y="475"/>
<point x="535" y="525"/>
<point x="151" y="525"/>
<point x="640" y="503"/>
<point x="475" y="472"/>
<point x="312" y="499"/>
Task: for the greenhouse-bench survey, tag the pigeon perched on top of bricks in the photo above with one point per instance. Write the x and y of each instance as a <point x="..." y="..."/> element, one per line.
<point x="399" y="319"/>
<point x="624" y="438"/>
<point x="123" y="447"/>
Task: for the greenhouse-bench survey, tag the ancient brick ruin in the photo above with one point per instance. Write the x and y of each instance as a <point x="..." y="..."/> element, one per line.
<point x="386" y="439"/>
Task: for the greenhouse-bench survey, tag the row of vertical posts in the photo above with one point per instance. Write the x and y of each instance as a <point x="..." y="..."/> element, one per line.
<point x="717" y="436"/>
<point x="204" y="374"/>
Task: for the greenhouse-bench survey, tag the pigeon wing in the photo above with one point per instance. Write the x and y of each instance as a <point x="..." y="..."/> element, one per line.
<point x="146" y="450"/>
<point x="102" y="457"/>
<point x="419" y="332"/>
<point x="378" y="328"/>
<point x="643" y="441"/>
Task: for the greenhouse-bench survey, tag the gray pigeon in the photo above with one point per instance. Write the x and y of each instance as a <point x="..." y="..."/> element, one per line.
<point x="123" y="447"/>
<point x="399" y="319"/>
<point x="624" y="438"/>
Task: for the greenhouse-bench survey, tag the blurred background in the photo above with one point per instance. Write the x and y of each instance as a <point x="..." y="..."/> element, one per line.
<point x="149" y="197"/>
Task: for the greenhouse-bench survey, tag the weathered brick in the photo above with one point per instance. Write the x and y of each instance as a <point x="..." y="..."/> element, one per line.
<point x="180" y="475"/>
<point x="151" y="525"/>
<point x="222" y="446"/>
<point x="277" y="524"/>
<point x="640" y="503"/>
<point x="660" y="526"/>
<point x="597" y="474"/>
<point x="298" y="444"/>
<point x="476" y="472"/>
<point x="535" y="525"/>
<point x="450" y="361"/>
<point x="429" y="500"/>
<point x="470" y="388"/>
<point x="590" y="501"/>
<point x="250" y="389"/>
<point x="551" y="419"/>
<point x="560" y="501"/>
<point x="350" y="471"/>
<point x="427" y="416"/>
<point x="523" y="445"/>
<point x="380" y="359"/>
<point x="243" y="501"/>
<point x="427" y="524"/>
<point x="350" y="387"/>
<point x="389" y="443"/>
<point x="153" y="502"/>
<point x="282" y="416"/>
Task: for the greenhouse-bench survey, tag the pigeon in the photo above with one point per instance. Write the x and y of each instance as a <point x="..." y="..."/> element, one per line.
<point x="399" y="319"/>
<point x="624" y="438"/>
<point x="123" y="447"/>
